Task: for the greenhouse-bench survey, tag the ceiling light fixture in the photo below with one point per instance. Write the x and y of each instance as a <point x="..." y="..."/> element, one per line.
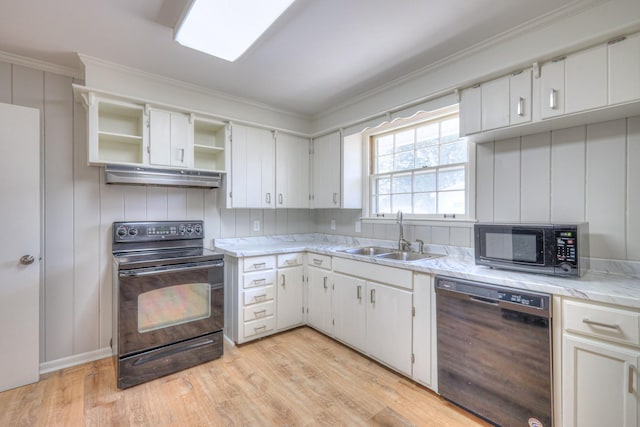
<point x="227" y="28"/>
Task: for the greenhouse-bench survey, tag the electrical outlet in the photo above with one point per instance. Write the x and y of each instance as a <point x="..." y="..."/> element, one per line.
<point x="333" y="224"/>
<point x="256" y="225"/>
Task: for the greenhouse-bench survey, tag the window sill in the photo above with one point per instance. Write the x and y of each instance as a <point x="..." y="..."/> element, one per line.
<point x="441" y="222"/>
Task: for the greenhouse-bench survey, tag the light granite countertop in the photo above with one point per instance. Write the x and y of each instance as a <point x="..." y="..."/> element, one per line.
<point x="614" y="282"/>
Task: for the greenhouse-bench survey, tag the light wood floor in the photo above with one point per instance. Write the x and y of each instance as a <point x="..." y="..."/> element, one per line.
<point x="297" y="378"/>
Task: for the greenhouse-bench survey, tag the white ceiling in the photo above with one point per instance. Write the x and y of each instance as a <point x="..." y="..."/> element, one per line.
<point x="318" y="55"/>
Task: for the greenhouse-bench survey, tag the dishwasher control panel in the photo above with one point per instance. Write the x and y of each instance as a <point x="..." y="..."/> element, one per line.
<point x="522" y="299"/>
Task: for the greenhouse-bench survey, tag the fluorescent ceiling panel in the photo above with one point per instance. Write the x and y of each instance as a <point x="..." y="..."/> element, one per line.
<point x="227" y="28"/>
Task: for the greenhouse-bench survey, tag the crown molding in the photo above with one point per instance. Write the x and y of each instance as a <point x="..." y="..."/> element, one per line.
<point x="180" y="84"/>
<point x="41" y="65"/>
<point x="572" y="8"/>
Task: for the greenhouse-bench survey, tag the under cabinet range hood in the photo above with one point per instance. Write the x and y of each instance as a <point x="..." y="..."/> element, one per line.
<point x="115" y="174"/>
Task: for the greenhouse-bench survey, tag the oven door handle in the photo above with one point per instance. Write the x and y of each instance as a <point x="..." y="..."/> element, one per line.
<point x="169" y="269"/>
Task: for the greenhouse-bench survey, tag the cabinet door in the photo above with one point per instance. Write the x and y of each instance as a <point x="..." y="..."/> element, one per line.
<point x="520" y="96"/>
<point x="389" y="325"/>
<point x="599" y="384"/>
<point x="289" y="298"/>
<point x="350" y="310"/>
<point x="319" y="300"/>
<point x="169" y="136"/>
<point x="252" y="168"/>
<point x="552" y="89"/>
<point x="494" y="99"/>
<point x="586" y="80"/>
<point x="326" y="171"/>
<point x="624" y="70"/>
<point x="292" y="171"/>
<point x="470" y="111"/>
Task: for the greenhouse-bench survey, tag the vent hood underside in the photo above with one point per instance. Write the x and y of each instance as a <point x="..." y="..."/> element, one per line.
<point x="162" y="177"/>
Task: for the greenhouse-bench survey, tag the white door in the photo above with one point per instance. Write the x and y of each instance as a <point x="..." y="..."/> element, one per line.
<point x="20" y="251"/>
<point x="319" y="295"/>
<point x="289" y="297"/>
<point x="350" y="310"/>
<point x="326" y="171"/>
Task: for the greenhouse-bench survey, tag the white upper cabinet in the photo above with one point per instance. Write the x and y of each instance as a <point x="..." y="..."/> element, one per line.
<point x="252" y="168"/>
<point x="624" y="69"/>
<point x="170" y="139"/>
<point x="495" y="103"/>
<point x="326" y="171"/>
<point x="470" y="110"/>
<point x="337" y="168"/>
<point x="552" y="89"/>
<point x="520" y="105"/>
<point x="586" y="80"/>
<point x="292" y="171"/>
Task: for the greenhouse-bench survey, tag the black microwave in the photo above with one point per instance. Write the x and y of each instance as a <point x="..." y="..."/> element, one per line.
<point x="556" y="249"/>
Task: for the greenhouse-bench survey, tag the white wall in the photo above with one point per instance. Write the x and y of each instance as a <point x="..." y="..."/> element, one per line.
<point x="586" y="173"/>
<point x="79" y="209"/>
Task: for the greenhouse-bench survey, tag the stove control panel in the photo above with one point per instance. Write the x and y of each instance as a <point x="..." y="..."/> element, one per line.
<point x="150" y="231"/>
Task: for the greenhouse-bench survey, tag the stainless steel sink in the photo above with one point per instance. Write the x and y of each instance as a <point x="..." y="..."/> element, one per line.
<point x="391" y="254"/>
<point x="368" y="251"/>
<point x="408" y="256"/>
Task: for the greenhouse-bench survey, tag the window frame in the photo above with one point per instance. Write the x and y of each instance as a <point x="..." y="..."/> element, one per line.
<point x="419" y="119"/>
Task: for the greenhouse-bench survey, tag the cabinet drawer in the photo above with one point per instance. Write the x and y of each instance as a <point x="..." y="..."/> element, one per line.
<point x="614" y="324"/>
<point x="290" y="260"/>
<point x="257" y="295"/>
<point x="258" y="311"/>
<point x="258" y="327"/>
<point x="262" y="278"/>
<point x="258" y="263"/>
<point x="319" y="261"/>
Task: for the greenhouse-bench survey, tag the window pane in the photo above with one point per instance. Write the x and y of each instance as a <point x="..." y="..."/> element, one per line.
<point x="404" y="140"/>
<point x="384" y="186"/>
<point x="385" y="145"/>
<point x="401" y="184"/>
<point x="404" y="160"/>
<point x="424" y="203"/>
<point x="450" y="130"/>
<point x="427" y="135"/>
<point x="384" y="204"/>
<point x="402" y="202"/>
<point x="451" y="179"/>
<point x="451" y="202"/>
<point x="424" y="182"/>
<point x="453" y="153"/>
<point x="427" y="157"/>
<point x="385" y="164"/>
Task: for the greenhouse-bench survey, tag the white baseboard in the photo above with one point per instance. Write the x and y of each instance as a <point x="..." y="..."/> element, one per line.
<point x="76" y="359"/>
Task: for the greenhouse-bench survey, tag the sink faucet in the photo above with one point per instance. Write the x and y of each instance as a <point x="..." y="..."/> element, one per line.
<point x="403" y="244"/>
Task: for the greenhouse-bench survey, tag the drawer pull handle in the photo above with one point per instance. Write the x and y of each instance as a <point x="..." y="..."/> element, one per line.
<point x="373" y="296"/>
<point x="283" y="280"/>
<point x="260" y="297"/>
<point x="602" y="325"/>
<point x="259" y="265"/>
<point x="259" y="281"/>
<point x="325" y="282"/>
<point x="631" y="372"/>
<point x="520" y="106"/>
<point x="553" y="99"/>
<point x="359" y="292"/>
<point x="260" y="313"/>
<point x="258" y="328"/>
<point x="291" y="261"/>
<point x="317" y="261"/>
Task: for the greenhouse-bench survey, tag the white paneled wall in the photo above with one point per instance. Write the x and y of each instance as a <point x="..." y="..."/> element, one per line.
<point x="586" y="173"/>
<point x="79" y="209"/>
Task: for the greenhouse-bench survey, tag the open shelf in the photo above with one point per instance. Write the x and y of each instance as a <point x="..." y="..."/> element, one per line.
<point x="209" y="140"/>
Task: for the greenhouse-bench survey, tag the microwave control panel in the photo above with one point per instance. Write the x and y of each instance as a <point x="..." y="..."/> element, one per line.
<point x="566" y="248"/>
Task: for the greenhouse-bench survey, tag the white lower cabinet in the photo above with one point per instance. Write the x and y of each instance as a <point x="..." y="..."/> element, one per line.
<point x="389" y="325"/>
<point x="350" y="310"/>
<point x="600" y="359"/>
<point x="289" y="298"/>
<point x="319" y="299"/>
<point x="600" y="385"/>
<point x="424" y="332"/>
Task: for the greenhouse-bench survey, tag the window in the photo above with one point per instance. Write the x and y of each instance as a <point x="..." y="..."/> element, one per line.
<point x="420" y="169"/>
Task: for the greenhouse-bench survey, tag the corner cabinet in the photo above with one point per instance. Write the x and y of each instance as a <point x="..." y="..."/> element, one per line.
<point x="600" y="360"/>
<point x="126" y="131"/>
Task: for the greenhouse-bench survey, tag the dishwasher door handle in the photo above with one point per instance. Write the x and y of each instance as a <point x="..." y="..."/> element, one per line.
<point x="484" y="301"/>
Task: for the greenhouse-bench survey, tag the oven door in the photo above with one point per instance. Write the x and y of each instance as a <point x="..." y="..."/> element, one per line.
<point x="158" y="306"/>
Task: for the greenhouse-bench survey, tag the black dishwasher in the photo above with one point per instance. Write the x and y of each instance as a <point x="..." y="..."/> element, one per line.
<point x="494" y="351"/>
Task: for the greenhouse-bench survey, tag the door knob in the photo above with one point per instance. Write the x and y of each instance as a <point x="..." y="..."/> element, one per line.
<point x="27" y="259"/>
